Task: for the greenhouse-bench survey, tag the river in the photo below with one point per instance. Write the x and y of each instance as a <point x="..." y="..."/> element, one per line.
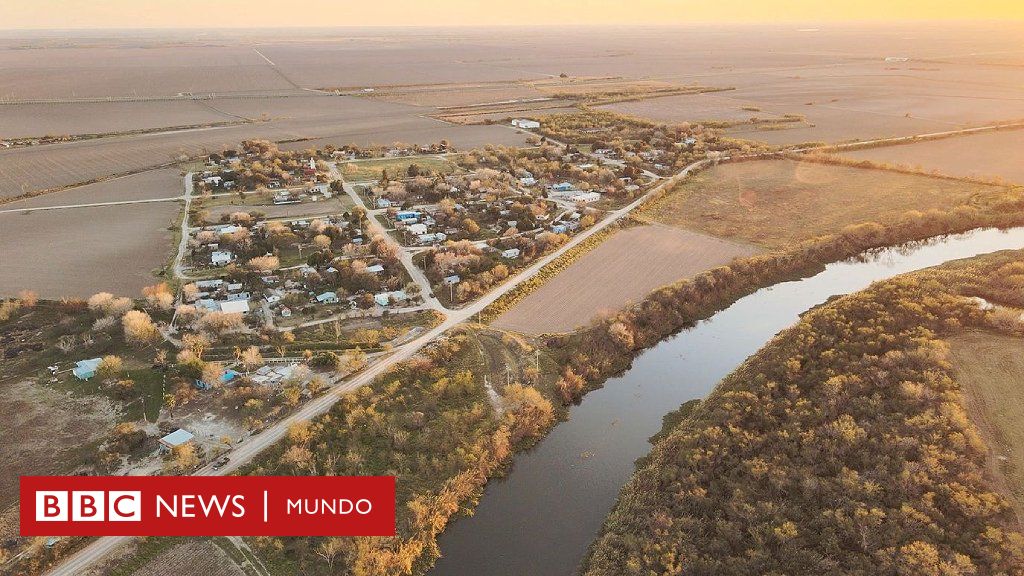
<point x="540" y="519"/>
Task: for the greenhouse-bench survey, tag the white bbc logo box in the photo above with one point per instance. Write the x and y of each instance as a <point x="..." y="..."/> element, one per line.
<point x="89" y="506"/>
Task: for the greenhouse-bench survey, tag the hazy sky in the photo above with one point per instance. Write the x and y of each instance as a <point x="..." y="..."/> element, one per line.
<point x="272" y="13"/>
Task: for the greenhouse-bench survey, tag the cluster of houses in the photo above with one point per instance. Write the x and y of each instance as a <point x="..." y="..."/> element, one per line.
<point x="219" y="295"/>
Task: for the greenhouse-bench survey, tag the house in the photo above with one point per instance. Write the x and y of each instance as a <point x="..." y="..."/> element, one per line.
<point x="321" y="189"/>
<point x="177" y="438"/>
<point x="383" y="203"/>
<point x="510" y="253"/>
<point x="327" y="298"/>
<point x="375" y="269"/>
<point x="238" y="296"/>
<point x="86" y="369"/>
<point x="431" y="238"/>
<point x="559" y="228"/>
<point x="528" y="181"/>
<point x="452" y="280"/>
<point x="525" y="124"/>
<point x="562" y="187"/>
<point x="221" y="258"/>
<point x="417" y="229"/>
<point x="286" y="312"/>
<point x="407" y="216"/>
<point x="235" y="287"/>
<point x="234" y="307"/>
<point x="209" y="284"/>
<point x="386" y="298"/>
<point x="585" y="197"/>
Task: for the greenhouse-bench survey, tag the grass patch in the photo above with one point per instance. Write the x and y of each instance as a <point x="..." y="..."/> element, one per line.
<point x="777" y="203"/>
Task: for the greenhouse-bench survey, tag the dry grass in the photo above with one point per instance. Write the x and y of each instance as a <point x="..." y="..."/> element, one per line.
<point x="988" y="155"/>
<point x="624" y="268"/>
<point x="990" y="367"/>
<point x="191" y="559"/>
<point x="777" y="202"/>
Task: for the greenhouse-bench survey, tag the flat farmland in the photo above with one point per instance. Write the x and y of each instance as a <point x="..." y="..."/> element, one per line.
<point x="774" y="203"/>
<point x="159" y="183"/>
<point x="988" y="155"/>
<point x="990" y="369"/>
<point x="623" y="269"/>
<point x="344" y="120"/>
<point x="81" y="251"/>
<point x="77" y="118"/>
<point x="128" y="67"/>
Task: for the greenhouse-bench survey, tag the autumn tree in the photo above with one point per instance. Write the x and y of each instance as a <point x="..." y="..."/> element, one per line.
<point x="139" y="329"/>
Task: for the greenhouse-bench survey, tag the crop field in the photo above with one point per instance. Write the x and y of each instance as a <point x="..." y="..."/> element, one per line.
<point x="159" y="183"/>
<point x="52" y="166"/>
<point x="991" y="155"/>
<point x="81" y="251"/>
<point x="32" y="120"/>
<point x="125" y="67"/>
<point x="774" y="203"/>
<point x="624" y="268"/>
<point x="990" y="367"/>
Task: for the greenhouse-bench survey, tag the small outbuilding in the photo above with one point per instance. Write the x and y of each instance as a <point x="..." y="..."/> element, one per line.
<point x="86" y="369"/>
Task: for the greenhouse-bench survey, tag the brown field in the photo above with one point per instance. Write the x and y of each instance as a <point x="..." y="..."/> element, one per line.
<point x="624" y="268"/>
<point x="192" y="558"/>
<point x="773" y="203"/>
<point x="990" y="367"/>
<point x="346" y="120"/>
<point x="81" y="251"/>
<point x="160" y="183"/>
<point x="31" y="120"/>
<point x="46" y="432"/>
<point x="994" y="155"/>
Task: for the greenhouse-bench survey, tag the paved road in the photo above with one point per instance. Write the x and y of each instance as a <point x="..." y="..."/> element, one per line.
<point x="244" y="453"/>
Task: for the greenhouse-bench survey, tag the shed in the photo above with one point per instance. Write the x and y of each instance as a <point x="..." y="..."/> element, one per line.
<point x="86" y="369"/>
<point x="177" y="438"/>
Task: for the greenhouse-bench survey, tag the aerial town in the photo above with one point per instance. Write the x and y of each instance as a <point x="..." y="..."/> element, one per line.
<point x="724" y="299"/>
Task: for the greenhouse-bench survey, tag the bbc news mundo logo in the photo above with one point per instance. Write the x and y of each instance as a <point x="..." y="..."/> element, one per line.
<point x="207" y="506"/>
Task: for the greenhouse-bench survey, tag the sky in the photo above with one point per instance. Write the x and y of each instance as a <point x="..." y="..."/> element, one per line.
<point x="41" y="14"/>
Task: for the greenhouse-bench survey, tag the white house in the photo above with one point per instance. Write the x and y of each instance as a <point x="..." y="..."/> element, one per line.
<point x="221" y="258"/>
<point x="234" y="307"/>
<point x="510" y="253"/>
<point x="327" y="298"/>
<point x="585" y="197"/>
<point x="526" y="124"/>
<point x="417" y="229"/>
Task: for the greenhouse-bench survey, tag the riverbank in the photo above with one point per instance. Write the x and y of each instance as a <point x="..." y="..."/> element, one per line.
<point x="841" y="447"/>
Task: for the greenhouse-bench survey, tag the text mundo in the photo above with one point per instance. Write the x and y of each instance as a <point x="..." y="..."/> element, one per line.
<point x="208" y="506"/>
